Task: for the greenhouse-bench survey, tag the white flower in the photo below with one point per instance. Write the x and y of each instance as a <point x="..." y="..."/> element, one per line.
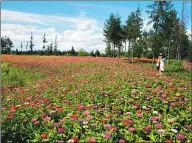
<point x="85" y="126"/>
<point x="8" y="99"/>
<point x="155" y="112"/>
<point x="161" y="131"/>
<point x="85" y="122"/>
<point x="170" y="120"/>
<point x="71" y="141"/>
<point x="174" y="130"/>
<point x="69" y="114"/>
<point x="144" y="107"/>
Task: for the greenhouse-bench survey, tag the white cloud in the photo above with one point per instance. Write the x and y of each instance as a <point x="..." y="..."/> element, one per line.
<point x="106" y="7"/>
<point x="84" y="33"/>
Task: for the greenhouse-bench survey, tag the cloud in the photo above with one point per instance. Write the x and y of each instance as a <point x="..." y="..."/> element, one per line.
<point x="83" y="31"/>
<point x="106" y="7"/>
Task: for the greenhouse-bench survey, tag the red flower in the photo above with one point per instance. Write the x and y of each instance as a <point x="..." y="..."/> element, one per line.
<point x="75" y="139"/>
<point x="128" y="122"/>
<point x="148" y="128"/>
<point x="43" y="136"/>
<point x="74" y="117"/>
<point x="60" y="110"/>
<point x="43" y="115"/>
<point x="168" y="141"/>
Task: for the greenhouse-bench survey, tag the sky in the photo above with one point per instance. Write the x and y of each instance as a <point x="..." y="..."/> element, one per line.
<point x="78" y="24"/>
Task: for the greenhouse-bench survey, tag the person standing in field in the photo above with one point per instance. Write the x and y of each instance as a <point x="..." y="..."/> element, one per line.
<point x="161" y="66"/>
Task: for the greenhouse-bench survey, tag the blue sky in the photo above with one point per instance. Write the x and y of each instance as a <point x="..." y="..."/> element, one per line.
<point x="77" y="24"/>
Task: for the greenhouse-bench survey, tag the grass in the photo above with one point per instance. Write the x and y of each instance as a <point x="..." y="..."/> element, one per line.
<point x="17" y="77"/>
<point x="173" y="68"/>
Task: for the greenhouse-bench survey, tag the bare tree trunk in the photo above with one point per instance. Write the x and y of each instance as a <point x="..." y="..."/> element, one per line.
<point x="132" y="50"/>
<point x="114" y="50"/>
<point x="128" y="50"/>
<point x="125" y="47"/>
<point x="168" y="52"/>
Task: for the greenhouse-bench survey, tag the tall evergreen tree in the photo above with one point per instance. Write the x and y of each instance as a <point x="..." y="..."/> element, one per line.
<point x="26" y="45"/>
<point x="112" y="30"/>
<point x="55" y="45"/>
<point x="31" y="43"/>
<point x="72" y="51"/>
<point x="21" y="46"/>
<point x="97" y="53"/>
<point x="44" y="41"/>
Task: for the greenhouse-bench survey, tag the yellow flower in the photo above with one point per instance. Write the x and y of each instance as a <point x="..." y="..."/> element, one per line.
<point x="177" y="94"/>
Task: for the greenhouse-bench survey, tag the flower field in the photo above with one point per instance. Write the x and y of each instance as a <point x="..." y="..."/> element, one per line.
<point x="87" y="99"/>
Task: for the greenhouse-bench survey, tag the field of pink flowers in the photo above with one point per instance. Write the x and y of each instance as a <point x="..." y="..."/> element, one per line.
<point x="88" y="99"/>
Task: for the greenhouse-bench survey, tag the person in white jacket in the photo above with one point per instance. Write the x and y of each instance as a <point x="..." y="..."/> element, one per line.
<point x="161" y="68"/>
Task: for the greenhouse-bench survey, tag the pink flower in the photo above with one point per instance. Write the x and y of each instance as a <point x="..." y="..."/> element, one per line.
<point x="10" y="117"/>
<point x="47" y="119"/>
<point x="163" y="96"/>
<point x="94" y="124"/>
<point x="173" y="104"/>
<point x="158" y="125"/>
<point x="140" y="115"/>
<point x="60" y="130"/>
<point x="33" y="120"/>
<point x="76" y="91"/>
<point x="107" y="116"/>
<point x="60" y="141"/>
<point x="91" y="140"/>
<point x="81" y="120"/>
<point x="107" y="135"/>
<point x="122" y="141"/>
<point x="132" y="129"/>
<point x="53" y="112"/>
<point x="36" y="122"/>
<point x="187" y="126"/>
<point x="180" y="136"/>
<point x="161" y="131"/>
<point x="114" y="128"/>
<point x="89" y="118"/>
<point x="86" y="113"/>
<point x="148" y="128"/>
<point x="55" y="124"/>
<point x="62" y="120"/>
<point x="155" y="118"/>
<point x="107" y="126"/>
<point x="131" y="100"/>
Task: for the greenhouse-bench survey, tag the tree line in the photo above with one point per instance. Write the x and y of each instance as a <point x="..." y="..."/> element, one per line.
<point x="167" y="36"/>
<point x="49" y="49"/>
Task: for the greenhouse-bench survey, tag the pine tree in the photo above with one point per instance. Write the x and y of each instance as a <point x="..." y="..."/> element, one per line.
<point x="72" y="51"/>
<point x="55" y="45"/>
<point x="31" y="43"/>
<point x="21" y="46"/>
<point x="26" y="45"/>
<point x="44" y="41"/>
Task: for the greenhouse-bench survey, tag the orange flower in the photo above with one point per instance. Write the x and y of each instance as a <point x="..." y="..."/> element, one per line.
<point x="43" y="136"/>
<point x="60" y="110"/>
